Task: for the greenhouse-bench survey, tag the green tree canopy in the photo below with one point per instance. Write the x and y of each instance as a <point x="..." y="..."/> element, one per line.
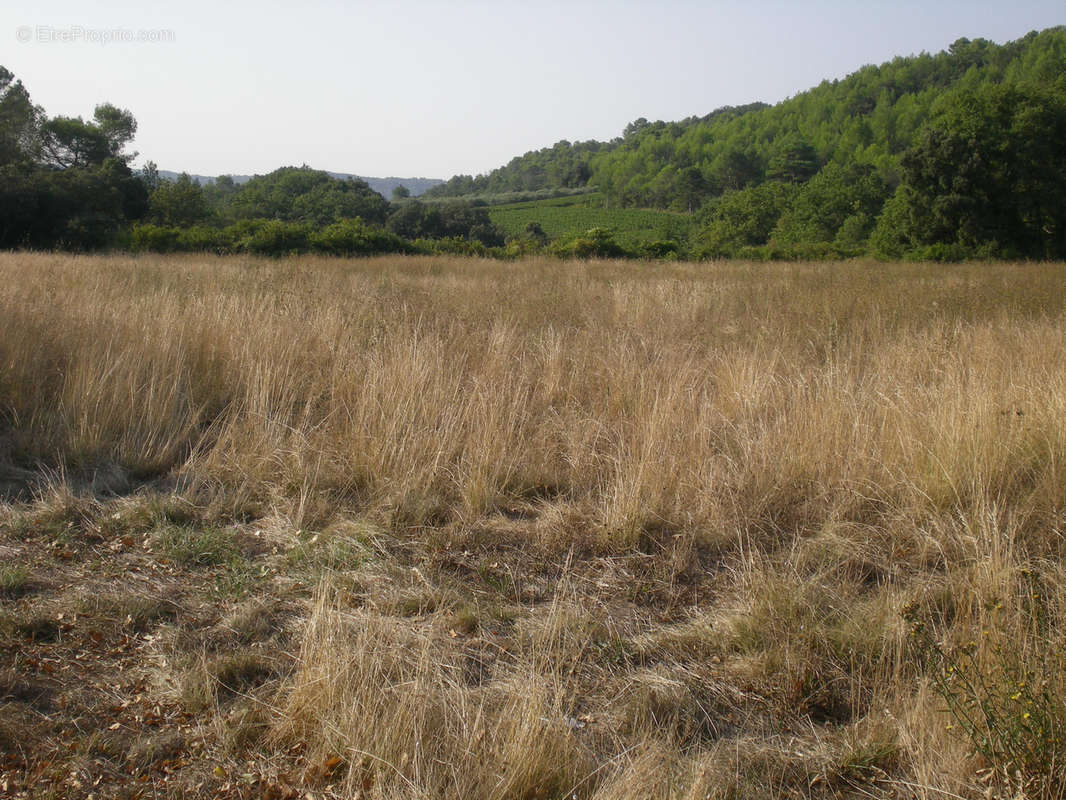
<point x="988" y="173"/>
<point x="19" y="121"/>
<point x="835" y="195"/>
<point x="179" y="202"/>
<point x="743" y="218"/>
<point x="307" y="195"/>
<point x="794" y="160"/>
<point x="68" y="142"/>
<point x="64" y="182"/>
<point x="450" y="219"/>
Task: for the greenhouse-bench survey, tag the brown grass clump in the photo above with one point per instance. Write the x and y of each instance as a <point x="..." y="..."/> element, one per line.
<point x="407" y="719"/>
<point x="590" y="529"/>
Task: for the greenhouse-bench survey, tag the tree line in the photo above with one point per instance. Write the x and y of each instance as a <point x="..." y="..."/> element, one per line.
<point x="953" y="155"/>
<point x="298" y="209"/>
<point x="67" y="183"/>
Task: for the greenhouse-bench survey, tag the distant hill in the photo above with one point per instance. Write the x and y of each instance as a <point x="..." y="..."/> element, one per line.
<point x="945" y="156"/>
<point x="382" y="186"/>
<point x="565" y="167"/>
<point x="866" y="120"/>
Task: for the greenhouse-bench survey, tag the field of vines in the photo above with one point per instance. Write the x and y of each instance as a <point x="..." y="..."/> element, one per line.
<point x="565" y="217"/>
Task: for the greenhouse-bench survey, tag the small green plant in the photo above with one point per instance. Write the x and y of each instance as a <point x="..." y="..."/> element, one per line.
<point x="1005" y="693"/>
<point x="14" y="581"/>
<point x="196" y="547"/>
<point x="145" y="514"/>
<point x="331" y="550"/>
<point x="53" y="527"/>
<point x="239" y="578"/>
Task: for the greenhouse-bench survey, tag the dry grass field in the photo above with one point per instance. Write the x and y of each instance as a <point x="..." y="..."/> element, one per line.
<point x="445" y="528"/>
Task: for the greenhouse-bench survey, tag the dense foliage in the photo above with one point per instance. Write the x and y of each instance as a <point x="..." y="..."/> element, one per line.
<point x="967" y="143"/>
<point x="299" y="209"/>
<point x="64" y="182"/>
<point x="564" y="165"/>
<point x="300" y="194"/>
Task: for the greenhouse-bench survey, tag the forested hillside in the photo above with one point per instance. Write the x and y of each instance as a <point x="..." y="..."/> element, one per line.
<point x="564" y="165"/>
<point x="967" y="145"/>
<point x="948" y="155"/>
<point x="871" y="117"/>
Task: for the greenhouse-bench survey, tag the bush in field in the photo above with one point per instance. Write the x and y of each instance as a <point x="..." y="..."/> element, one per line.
<point x="154" y="238"/>
<point x="177" y="203"/>
<point x="1005" y="692"/>
<point x="453" y="246"/>
<point x="743" y="218"/>
<point x="352" y="237"/>
<point x="276" y="238"/>
<point x="661" y="249"/>
<point x="595" y="243"/>
<point x="204" y="238"/>
<point x="836" y="196"/>
<point x="302" y="194"/>
<point x="447" y="220"/>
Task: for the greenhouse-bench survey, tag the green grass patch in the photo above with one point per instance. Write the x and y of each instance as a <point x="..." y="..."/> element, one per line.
<point x="196" y="547"/>
<point x="340" y="547"/>
<point x="14" y="581"/>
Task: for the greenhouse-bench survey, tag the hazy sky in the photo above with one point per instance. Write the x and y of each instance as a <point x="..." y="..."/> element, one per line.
<point x="414" y="88"/>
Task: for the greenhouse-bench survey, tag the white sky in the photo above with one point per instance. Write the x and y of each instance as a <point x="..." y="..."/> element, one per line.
<point x="432" y="89"/>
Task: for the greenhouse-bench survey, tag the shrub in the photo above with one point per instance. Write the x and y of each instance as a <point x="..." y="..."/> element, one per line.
<point x="943" y="253"/>
<point x="595" y="243"/>
<point x="456" y="246"/>
<point x="352" y="237"/>
<point x="154" y="238"/>
<point x="203" y="238"/>
<point x="661" y="249"/>
<point x="193" y="547"/>
<point x="277" y="238"/>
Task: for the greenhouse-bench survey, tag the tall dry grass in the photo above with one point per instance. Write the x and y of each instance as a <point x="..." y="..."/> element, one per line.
<point x="821" y="444"/>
